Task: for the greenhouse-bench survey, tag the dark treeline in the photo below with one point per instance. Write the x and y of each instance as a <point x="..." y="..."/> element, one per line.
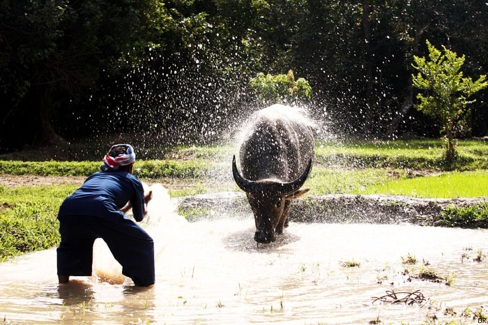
<point x="177" y="71"/>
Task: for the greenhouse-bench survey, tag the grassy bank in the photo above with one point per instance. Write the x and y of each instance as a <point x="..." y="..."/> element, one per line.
<point x="409" y="168"/>
<point x="28" y="218"/>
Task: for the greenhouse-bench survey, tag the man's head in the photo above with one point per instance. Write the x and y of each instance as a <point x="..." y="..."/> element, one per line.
<point x="120" y="156"/>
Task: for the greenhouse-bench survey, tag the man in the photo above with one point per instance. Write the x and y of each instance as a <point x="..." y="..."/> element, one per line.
<point x="97" y="210"/>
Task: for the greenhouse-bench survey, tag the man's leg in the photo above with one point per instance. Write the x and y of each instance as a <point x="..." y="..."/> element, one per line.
<point x="75" y="252"/>
<point x="133" y="248"/>
<point x="63" y="278"/>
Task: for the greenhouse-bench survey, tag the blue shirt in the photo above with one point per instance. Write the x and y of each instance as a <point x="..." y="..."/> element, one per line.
<point x="103" y="194"/>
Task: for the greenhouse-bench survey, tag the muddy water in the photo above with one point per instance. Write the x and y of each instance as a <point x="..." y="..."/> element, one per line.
<point x="212" y="272"/>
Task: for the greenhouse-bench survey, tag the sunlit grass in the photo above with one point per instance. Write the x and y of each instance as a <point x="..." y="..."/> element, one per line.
<point x="445" y="185"/>
<point x="419" y="144"/>
<point x="413" y="154"/>
<point x="28" y="218"/>
<point x="398" y="182"/>
<point x="338" y="181"/>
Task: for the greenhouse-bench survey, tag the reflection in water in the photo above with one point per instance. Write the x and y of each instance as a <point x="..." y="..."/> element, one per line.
<point x="213" y="272"/>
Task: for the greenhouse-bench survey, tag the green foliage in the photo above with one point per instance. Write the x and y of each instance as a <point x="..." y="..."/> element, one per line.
<point x="445" y="91"/>
<point x="280" y="88"/>
<point x="465" y="217"/>
<point x="38" y="29"/>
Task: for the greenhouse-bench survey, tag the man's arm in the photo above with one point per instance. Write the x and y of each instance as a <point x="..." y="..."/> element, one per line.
<point x="147" y="198"/>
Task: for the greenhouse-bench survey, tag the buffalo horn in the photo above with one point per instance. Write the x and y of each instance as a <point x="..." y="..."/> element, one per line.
<point x="244" y="184"/>
<point x="290" y="187"/>
<point x="278" y="188"/>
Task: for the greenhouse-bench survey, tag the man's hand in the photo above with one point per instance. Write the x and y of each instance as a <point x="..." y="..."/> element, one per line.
<point x="148" y="197"/>
<point x="126" y="207"/>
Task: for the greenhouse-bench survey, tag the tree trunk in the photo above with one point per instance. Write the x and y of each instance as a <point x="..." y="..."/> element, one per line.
<point x="48" y="135"/>
<point x="451" y="149"/>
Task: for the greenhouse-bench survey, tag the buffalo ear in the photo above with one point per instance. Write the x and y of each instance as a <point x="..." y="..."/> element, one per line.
<point x="297" y="194"/>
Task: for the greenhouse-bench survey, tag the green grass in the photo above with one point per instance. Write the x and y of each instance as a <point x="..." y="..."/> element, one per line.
<point x="143" y="169"/>
<point x="445" y="185"/>
<point x="28" y="218"/>
<point x="412" y="154"/>
<point x="338" y="181"/>
<point x="399" y="182"/>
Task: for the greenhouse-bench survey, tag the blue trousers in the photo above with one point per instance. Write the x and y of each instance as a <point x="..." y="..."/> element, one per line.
<point x="131" y="246"/>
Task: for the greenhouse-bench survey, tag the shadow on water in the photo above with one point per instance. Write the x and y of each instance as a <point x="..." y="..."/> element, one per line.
<point x="77" y="292"/>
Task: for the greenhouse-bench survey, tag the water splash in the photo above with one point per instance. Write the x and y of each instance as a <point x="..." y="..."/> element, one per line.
<point x="161" y="222"/>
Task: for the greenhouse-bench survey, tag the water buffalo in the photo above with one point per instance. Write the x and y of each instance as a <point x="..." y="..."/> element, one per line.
<point x="276" y="155"/>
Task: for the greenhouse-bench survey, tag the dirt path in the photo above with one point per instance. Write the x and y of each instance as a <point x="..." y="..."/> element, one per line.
<point x="34" y="180"/>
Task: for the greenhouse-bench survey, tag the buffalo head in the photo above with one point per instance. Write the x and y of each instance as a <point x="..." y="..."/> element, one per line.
<point x="270" y="201"/>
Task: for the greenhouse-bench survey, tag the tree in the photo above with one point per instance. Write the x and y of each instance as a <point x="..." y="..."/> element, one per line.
<point x="445" y="90"/>
<point x="54" y="52"/>
<point x="280" y="88"/>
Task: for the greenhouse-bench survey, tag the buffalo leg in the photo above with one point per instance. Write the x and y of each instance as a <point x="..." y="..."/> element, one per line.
<point x="283" y="222"/>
